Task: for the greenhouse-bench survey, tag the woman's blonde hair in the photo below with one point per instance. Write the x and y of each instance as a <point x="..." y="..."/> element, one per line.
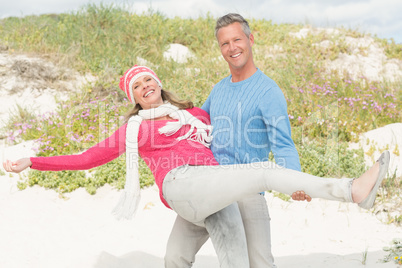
<point x="166" y="96"/>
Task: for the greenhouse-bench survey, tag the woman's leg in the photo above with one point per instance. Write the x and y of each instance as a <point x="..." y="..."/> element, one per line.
<point x="196" y="192"/>
<point x="184" y="242"/>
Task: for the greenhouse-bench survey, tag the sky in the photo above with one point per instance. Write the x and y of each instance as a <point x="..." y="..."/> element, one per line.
<point x="378" y="17"/>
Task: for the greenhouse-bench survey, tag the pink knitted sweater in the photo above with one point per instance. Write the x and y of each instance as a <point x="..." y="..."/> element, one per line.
<point x="160" y="152"/>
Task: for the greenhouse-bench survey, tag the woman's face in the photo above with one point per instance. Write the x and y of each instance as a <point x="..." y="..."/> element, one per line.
<point x="147" y="92"/>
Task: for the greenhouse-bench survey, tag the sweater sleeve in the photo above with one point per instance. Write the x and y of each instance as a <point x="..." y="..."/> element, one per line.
<point x="274" y="112"/>
<point x="97" y="155"/>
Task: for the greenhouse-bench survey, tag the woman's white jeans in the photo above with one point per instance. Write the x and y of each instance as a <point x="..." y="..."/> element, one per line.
<point x="195" y="192"/>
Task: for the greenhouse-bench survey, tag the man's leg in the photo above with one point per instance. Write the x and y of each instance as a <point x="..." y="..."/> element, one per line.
<point x="256" y="221"/>
<point x="184" y="242"/>
<point x="226" y="231"/>
<point x="225" y="228"/>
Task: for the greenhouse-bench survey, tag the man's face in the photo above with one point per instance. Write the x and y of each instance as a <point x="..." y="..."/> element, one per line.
<point x="236" y="46"/>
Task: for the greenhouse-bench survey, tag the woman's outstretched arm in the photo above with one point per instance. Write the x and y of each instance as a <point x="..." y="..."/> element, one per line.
<point x="97" y="155"/>
<point x="17" y="166"/>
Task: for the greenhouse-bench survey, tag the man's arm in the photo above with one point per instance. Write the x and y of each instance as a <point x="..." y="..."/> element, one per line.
<point x="274" y="112"/>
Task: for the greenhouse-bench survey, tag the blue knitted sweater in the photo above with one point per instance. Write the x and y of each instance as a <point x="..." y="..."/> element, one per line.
<point x="249" y="120"/>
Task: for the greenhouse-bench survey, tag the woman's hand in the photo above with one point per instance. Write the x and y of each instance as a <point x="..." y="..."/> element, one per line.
<point x="17" y="166"/>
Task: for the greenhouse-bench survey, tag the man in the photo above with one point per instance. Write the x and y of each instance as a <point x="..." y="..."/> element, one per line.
<point x="249" y="115"/>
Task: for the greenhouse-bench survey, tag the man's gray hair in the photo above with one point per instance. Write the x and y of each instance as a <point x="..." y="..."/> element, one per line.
<point x="229" y="19"/>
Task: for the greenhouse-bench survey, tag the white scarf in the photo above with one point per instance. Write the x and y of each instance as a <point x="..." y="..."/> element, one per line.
<point x="130" y="198"/>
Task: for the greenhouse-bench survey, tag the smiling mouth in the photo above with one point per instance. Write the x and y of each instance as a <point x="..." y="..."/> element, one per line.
<point x="236" y="55"/>
<point x="148" y="93"/>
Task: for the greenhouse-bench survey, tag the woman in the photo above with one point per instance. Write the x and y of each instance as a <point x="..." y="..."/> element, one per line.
<point x="173" y="138"/>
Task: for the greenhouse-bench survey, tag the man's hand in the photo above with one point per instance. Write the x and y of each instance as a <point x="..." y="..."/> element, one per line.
<point x="301" y="196"/>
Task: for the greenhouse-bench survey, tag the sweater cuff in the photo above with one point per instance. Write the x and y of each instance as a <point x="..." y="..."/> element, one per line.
<point x="32" y="161"/>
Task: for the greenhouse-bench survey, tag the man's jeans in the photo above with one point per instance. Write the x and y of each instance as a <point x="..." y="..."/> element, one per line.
<point x="187" y="238"/>
<point x="227" y="235"/>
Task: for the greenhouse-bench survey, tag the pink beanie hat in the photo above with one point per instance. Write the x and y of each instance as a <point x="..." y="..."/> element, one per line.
<point x="129" y="77"/>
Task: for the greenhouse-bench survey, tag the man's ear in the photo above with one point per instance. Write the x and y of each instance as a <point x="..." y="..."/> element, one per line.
<point x="251" y="38"/>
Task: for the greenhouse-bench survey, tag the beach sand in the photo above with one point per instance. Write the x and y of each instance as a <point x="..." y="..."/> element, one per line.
<point x="38" y="228"/>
